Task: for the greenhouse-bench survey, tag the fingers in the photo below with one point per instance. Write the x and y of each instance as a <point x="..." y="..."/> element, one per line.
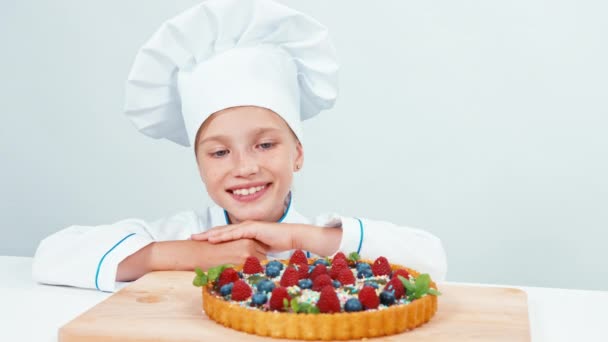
<point x="261" y="250"/>
<point x="204" y="236"/>
<point x="233" y="233"/>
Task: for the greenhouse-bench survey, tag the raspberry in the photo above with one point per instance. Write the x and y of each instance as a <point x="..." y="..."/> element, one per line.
<point x="298" y="257"/>
<point x="369" y="298"/>
<point x="336" y="268"/>
<point x="339" y="263"/>
<point x="339" y="256"/>
<point x="328" y="300"/>
<point x="276" y="299"/>
<point x="227" y="276"/>
<point x="401" y="272"/>
<point x="252" y="266"/>
<point x="240" y="291"/>
<point x="290" y="277"/>
<point x="320" y="282"/>
<point x="346" y="277"/>
<point x="302" y="270"/>
<point x="319" y="269"/>
<point x="396" y="286"/>
<point x="381" y="267"/>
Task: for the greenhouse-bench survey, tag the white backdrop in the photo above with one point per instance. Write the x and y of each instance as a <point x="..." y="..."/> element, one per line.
<point x="483" y="122"/>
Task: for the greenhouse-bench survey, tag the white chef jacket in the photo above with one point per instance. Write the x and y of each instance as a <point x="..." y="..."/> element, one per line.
<point x="88" y="257"/>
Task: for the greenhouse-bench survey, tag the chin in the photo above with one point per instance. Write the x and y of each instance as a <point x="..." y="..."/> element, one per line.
<point x="250" y="215"/>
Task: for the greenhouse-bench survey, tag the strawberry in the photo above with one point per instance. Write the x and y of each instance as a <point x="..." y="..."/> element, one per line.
<point x="337" y="267"/>
<point x="252" y="266"/>
<point x="277" y="297"/>
<point x="319" y="269"/>
<point x="227" y="276"/>
<point x="328" y="300"/>
<point x="339" y="256"/>
<point x="302" y="270"/>
<point x="381" y="267"/>
<point x="368" y="297"/>
<point x="396" y="286"/>
<point x="290" y="277"/>
<point x="346" y="277"/>
<point x="240" y="291"/>
<point x="320" y="282"/>
<point x="298" y="257"/>
<point x="401" y="272"/>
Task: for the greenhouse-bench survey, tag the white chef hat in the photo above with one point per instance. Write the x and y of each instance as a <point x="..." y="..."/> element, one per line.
<point x="226" y="53"/>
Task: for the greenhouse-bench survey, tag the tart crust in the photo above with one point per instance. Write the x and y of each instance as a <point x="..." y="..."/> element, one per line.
<point x="336" y="326"/>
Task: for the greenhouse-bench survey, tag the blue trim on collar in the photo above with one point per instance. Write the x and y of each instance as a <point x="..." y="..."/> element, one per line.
<point x="361" y="238"/>
<point x="286" y="210"/>
<point x="279" y="221"/>
<point x="226" y="216"/>
<point x="104" y="256"/>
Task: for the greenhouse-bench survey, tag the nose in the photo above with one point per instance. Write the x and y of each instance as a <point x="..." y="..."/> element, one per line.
<point x="246" y="165"/>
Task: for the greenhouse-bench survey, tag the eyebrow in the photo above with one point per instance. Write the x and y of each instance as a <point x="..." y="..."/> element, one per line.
<point x="257" y="132"/>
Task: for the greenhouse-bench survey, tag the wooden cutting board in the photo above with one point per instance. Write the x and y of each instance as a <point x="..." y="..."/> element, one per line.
<point x="164" y="306"/>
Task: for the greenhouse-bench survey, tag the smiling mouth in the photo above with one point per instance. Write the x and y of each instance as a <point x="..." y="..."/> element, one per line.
<point x="250" y="193"/>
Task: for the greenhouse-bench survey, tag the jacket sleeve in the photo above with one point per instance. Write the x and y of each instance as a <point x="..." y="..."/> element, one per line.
<point x="88" y="257"/>
<point x="409" y="247"/>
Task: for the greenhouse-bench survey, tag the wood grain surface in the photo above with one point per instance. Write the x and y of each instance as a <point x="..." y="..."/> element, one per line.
<point x="164" y="306"/>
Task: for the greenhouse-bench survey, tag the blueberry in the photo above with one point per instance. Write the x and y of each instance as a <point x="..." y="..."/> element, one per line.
<point x="363" y="266"/>
<point x="311" y="268"/>
<point x="365" y="273"/>
<point x="305" y="284"/>
<point x="321" y="261"/>
<point x="353" y="305"/>
<point x="275" y="263"/>
<point x="273" y="271"/>
<point x="240" y="275"/>
<point x="265" y="286"/>
<point x="387" y="298"/>
<point x="336" y="283"/>
<point x="226" y="289"/>
<point x="259" y="298"/>
<point x="372" y="284"/>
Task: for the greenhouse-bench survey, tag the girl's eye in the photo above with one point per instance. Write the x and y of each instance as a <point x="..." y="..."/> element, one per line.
<point x="219" y="154"/>
<point x="266" y="146"/>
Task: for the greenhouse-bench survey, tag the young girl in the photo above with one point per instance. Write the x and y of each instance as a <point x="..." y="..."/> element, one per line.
<point x="233" y="79"/>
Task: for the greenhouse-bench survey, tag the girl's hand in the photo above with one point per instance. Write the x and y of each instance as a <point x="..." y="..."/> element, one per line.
<point x="237" y="251"/>
<point x="187" y="255"/>
<point x="277" y="236"/>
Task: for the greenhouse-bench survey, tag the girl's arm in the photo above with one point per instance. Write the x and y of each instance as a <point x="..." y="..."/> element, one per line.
<point x="186" y="256"/>
<point x="88" y="256"/>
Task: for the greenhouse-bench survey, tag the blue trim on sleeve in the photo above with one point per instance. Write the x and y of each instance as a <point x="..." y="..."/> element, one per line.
<point x="361" y="238"/>
<point x="104" y="256"/>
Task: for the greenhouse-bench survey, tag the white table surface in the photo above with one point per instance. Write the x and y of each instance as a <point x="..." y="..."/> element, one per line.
<point x="34" y="312"/>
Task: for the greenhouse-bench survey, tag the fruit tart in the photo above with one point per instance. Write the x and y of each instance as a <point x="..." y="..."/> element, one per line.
<point x="318" y="299"/>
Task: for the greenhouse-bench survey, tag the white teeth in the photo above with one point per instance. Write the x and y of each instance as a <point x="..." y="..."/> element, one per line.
<point x="250" y="191"/>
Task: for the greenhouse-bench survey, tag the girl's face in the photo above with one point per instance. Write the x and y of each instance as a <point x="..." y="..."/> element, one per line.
<point x="246" y="157"/>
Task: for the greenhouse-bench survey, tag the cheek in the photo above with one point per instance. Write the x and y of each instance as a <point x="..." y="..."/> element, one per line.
<point x="282" y="166"/>
<point x="210" y="174"/>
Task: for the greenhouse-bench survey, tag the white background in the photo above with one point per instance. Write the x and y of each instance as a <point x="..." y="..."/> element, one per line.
<point x="483" y="122"/>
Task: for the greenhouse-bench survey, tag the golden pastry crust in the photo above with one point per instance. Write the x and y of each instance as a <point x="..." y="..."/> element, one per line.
<point x="336" y="326"/>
